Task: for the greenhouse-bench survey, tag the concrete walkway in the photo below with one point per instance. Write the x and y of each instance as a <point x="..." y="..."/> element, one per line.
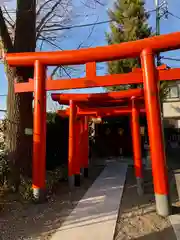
<point x="175" y="219"/>
<point x="175" y="222"/>
<point x="96" y="214"/>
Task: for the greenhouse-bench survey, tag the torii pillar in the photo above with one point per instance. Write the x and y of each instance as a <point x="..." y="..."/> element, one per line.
<point x="72" y="143"/>
<point x="39" y="135"/>
<point x="74" y="150"/>
<point x="78" y="156"/>
<point x="157" y="151"/>
<point x="136" y="139"/>
<point x="86" y="147"/>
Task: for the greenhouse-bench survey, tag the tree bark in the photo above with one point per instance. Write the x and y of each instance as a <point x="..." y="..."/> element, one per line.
<point x="19" y="106"/>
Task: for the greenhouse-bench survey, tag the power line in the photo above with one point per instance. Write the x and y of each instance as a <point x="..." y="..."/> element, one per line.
<point x="96" y="23"/>
<point x="173" y="15"/>
<point x="3" y="95"/>
<point x="89" y="24"/>
<point x="29" y="10"/>
<point x="85" y="25"/>
<point x="171" y="59"/>
<point x="92" y="24"/>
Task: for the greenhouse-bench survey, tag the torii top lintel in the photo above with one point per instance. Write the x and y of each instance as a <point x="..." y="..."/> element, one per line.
<point x="98" y="104"/>
<point x="99" y="54"/>
<point x="101" y="112"/>
<point x="98" y="97"/>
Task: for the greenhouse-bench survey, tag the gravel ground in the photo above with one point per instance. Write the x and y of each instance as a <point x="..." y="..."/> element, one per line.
<point x="137" y="216"/>
<point x="25" y="221"/>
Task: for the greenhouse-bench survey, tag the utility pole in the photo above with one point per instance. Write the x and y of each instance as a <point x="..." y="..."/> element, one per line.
<point x="157" y="6"/>
<point x="161" y="10"/>
<point x="157" y="17"/>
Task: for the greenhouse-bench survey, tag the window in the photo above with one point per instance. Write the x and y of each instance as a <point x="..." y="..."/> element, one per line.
<point x="173" y="92"/>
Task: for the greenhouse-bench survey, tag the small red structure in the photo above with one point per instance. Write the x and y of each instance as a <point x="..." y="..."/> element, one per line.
<point x="146" y="49"/>
<point x="133" y="110"/>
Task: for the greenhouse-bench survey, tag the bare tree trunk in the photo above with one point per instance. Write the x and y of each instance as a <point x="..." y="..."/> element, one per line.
<point x="19" y="117"/>
<point x="19" y="106"/>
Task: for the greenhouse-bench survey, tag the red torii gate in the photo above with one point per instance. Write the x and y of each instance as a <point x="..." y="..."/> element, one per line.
<point x="134" y="110"/>
<point x="103" y="98"/>
<point x="146" y="49"/>
<point x="77" y="100"/>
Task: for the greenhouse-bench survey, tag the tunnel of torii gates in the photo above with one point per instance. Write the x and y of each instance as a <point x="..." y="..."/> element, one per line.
<point x="86" y="106"/>
<point x="146" y="49"/>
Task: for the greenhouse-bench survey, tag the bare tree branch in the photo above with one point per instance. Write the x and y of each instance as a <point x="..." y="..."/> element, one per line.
<point x="42" y="7"/>
<point x="60" y="67"/>
<point x="90" y="33"/>
<point x="79" y="46"/>
<point x="7" y="12"/>
<point x="48" y="14"/>
<point x="50" y="42"/>
<point x="100" y="3"/>
<point x="38" y="31"/>
<point x="5" y="37"/>
<point x="57" y="14"/>
<point x="92" y="3"/>
<point x="10" y="21"/>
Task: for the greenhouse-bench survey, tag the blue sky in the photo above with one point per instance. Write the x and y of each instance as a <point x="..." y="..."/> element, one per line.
<point x="75" y="36"/>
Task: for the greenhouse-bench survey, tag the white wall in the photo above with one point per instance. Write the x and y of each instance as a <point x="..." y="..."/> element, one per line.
<point x="171" y="109"/>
